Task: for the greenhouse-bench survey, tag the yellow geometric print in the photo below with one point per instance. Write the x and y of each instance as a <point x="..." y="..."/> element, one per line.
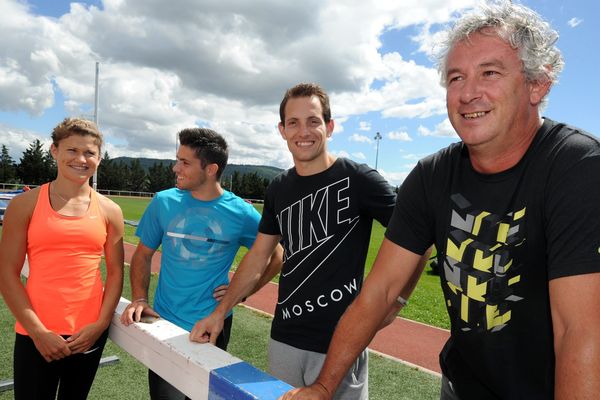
<point x="480" y="271"/>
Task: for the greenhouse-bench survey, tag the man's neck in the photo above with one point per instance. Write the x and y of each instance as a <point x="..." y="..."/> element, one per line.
<point x="313" y="167"/>
<point x="208" y="191"/>
<point x="492" y="160"/>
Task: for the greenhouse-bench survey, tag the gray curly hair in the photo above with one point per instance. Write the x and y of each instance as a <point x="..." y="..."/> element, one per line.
<point x="519" y="26"/>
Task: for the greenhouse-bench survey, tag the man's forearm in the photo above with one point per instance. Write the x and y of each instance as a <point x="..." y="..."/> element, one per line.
<point x="245" y="279"/>
<point x="273" y="268"/>
<point x="139" y="276"/>
<point x="578" y="366"/>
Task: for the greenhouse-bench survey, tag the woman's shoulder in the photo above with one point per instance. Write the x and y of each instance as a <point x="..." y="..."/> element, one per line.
<point x="109" y="207"/>
<point x="20" y="208"/>
<point x="26" y="200"/>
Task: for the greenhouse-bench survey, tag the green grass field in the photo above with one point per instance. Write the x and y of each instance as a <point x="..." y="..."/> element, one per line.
<point x="127" y="379"/>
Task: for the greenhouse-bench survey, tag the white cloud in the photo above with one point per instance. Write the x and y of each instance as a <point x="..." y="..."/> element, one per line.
<point x="18" y="140"/>
<point x="359" y="138"/>
<point x="401" y="136"/>
<point x="443" y="129"/>
<point x="165" y="66"/>
<point x="394" y="178"/>
<point x="414" y="157"/>
<point x="359" y="155"/>
<point x="573" y="22"/>
<point x="341" y="153"/>
<point x="338" y="126"/>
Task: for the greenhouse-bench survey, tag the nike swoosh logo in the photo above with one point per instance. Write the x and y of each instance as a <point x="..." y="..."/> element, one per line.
<point x="354" y="224"/>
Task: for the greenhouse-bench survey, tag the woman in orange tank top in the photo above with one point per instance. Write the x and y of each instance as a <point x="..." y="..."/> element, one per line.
<point x="64" y="311"/>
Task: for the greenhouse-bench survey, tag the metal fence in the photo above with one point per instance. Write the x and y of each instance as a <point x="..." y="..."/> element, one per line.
<point x="4" y="187"/>
<point x="125" y="193"/>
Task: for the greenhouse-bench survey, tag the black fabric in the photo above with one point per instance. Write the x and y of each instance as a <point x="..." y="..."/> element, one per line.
<point x="325" y="223"/>
<point x="160" y="389"/>
<point x="37" y="379"/>
<point x="500" y="239"/>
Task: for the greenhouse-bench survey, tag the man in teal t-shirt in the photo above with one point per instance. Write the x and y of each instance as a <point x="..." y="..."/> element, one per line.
<point x="200" y="227"/>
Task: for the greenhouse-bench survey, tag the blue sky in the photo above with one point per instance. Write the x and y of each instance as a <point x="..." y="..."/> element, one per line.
<point x="225" y="65"/>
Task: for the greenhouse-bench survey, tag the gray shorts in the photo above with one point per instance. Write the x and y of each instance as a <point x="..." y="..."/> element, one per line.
<point x="301" y="368"/>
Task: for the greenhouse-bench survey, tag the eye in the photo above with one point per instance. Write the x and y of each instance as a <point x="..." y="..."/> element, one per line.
<point x="490" y="73"/>
<point x="454" y="78"/>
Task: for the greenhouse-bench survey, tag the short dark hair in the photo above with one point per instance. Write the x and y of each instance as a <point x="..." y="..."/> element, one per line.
<point x="210" y="147"/>
<point x="76" y="126"/>
<point x="306" y="90"/>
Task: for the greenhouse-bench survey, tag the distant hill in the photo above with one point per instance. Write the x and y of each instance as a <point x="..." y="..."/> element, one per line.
<point x="262" y="170"/>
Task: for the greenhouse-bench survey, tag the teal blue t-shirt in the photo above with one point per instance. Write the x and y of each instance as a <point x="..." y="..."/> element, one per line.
<point x="199" y="242"/>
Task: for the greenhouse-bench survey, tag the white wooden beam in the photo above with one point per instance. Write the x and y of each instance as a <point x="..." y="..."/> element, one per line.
<point x="200" y="371"/>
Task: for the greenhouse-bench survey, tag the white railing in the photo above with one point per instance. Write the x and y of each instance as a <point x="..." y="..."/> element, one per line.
<point x="200" y="371"/>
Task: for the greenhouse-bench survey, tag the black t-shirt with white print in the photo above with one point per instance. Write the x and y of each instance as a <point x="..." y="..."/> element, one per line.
<point x="325" y="223"/>
<point x="500" y="239"/>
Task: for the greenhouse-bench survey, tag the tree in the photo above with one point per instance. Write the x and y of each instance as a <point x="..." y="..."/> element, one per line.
<point x="108" y="178"/>
<point x="120" y="176"/>
<point x="37" y="166"/>
<point x="49" y="166"/>
<point x="236" y="182"/>
<point x="137" y="180"/>
<point x="254" y="186"/>
<point x="249" y="186"/>
<point x="160" y="177"/>
<point x="8" y="169"/>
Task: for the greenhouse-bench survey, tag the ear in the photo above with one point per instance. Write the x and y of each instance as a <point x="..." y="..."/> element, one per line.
<point x="54" y="151"/>
<point x="211" y="170"/>
<point x="539" y="89"/>
<point x="281" y="130"/>
<point x="330" y="126"/>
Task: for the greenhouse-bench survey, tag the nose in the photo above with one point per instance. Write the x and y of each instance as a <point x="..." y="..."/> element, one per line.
<point x="470" y="90"/>
<point x="304" y="130"/>
<point x="175" y="166"/>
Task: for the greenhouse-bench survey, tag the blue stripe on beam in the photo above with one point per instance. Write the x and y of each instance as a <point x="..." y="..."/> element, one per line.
<point x="243" y="381"/>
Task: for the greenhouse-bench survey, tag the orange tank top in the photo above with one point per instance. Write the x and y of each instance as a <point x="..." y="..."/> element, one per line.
<point x="64" y="284"/>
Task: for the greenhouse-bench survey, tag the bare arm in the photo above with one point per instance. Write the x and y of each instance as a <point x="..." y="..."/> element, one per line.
<point x="114" y="257"/>
<point x="575" y="307"/>
<point x="139" y="272"/>
<point x="273" y="268"/>
<point x="393" y="274"/>
<point x="13" y="248"/>
<point x="247" y="276"/>
<point x="407" y="291"/>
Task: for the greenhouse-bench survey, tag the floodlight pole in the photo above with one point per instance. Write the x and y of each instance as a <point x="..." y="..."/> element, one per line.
<point x="96" y="94"/>
<point x="377" y="138"/>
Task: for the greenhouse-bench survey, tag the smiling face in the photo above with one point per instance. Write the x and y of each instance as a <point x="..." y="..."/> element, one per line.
<point x="188" y="170"/>
<point x="490" y="103"/>
<point x="77" y="157"/>
<point x="306" y="133"/>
